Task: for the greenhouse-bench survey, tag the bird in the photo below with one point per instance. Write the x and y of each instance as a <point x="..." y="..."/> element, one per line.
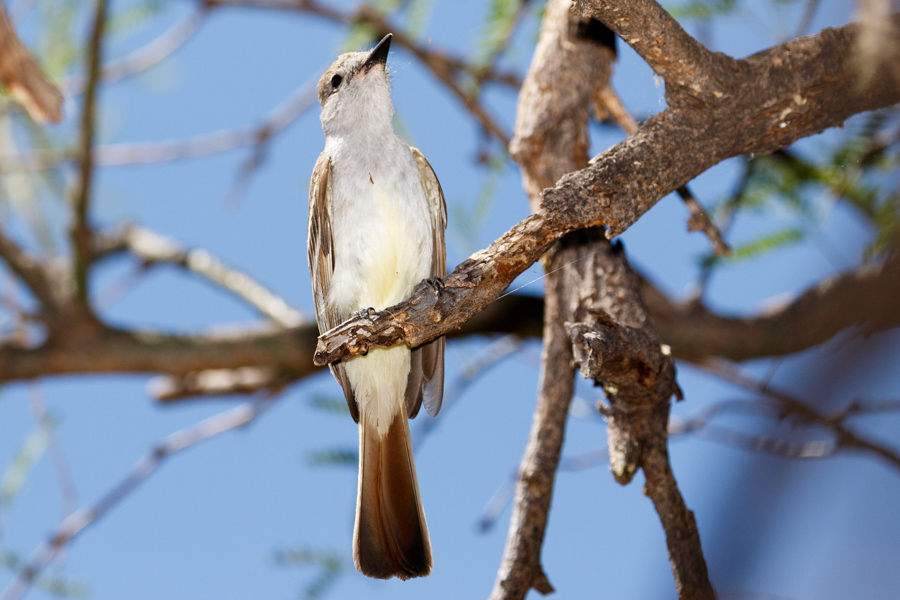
<point x="377" y="221"/>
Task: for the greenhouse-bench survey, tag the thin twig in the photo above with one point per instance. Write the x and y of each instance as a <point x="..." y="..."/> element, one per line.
<point x="845" y="438"/>
<point x="28" y="269"/>
<point x="151" y="249"/>
<point x="147" y="56"/>
<point x="118" y="155"/>
<point x="76" y="523"/>
<point x="67" y="491"/>
<point x="80" y="230"/>
<point x="447" y="69"/>
<point x="468" y="373"/>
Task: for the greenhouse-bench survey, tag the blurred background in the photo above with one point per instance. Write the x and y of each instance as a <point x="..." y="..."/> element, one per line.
<point x="266" y="510"/>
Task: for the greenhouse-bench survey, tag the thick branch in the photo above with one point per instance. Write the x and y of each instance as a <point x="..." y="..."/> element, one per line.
<point x="520" y="570"/>
<point x="789" y="96"/>
<point x="571" y="59"/>
<point x="866" y="297"/>
<point x="616" y="344"/>
<point x="608" y="101"/>
<point x="683" y="62"/>
<point x="863" y="298"/>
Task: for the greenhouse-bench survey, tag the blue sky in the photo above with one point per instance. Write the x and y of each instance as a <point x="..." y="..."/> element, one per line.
<point x="209" y="522"/>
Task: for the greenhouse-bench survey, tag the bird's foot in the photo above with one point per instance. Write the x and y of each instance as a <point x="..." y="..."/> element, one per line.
<point x="367" y="313"/>
<point x="436" y="283"/>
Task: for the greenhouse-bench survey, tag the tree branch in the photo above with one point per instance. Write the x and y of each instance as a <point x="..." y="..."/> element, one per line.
<point x="117" y="155"/>
<point x="798" y="98"/>
<point x="72" y="526"/>
<point x="148" y="55"/>
<point x="684" y="63"/>
<point x="23" y="79"/>
<point x="80" y="230"/>
<point x="607" y="100"/>
<point x="787" y="404"/>
<point x="866" y="297"/>
<point x="861" y="298"/>
<point x="448" y="69"/>
<point x="151" y="248"/>
<point x="572" y="58"/>
<point x="29" y="270"/>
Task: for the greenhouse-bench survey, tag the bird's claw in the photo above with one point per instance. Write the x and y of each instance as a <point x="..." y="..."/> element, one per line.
<point x="436" y="283"/>
<point x="367" y="313"/>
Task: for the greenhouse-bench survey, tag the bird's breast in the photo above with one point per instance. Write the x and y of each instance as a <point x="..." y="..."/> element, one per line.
<point x="383" y="235"/>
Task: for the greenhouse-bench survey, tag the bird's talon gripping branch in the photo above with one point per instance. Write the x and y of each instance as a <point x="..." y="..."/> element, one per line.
<point x="366" y="313"/>
<point x="436" y="283"/>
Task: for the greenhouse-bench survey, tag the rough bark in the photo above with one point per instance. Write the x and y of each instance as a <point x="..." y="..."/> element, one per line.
<point x="773" y="99"/>
<point x="572" y="59"/>
<point x="616" y="344"/>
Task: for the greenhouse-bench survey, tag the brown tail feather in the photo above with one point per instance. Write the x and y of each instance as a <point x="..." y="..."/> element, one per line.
<point x="391" y="536"/>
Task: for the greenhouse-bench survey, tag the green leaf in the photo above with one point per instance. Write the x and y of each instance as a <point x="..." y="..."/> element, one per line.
<point x="501" y="19"/>
<point x="18" y="470"/>
<point x="341" y="457"/>
<point x="333" y="404"/>
<point x="329" y="563"/>
<point x="134" y="16"/>
<point x="761" y="245"/>
<point x="702" y="9"/>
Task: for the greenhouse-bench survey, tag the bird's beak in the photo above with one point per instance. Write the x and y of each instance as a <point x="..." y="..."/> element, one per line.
<point x="379" y="54"/>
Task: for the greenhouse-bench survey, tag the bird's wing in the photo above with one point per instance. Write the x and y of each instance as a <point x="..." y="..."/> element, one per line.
<point x="320" y="249"/>
<point x="430" y="357"/>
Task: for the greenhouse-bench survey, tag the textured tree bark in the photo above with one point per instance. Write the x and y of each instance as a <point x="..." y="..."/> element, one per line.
<point x="520" y="569"/>
<point x="572" y="59"/>
<point x="616" y="343"/>
<point x="818" y="64"/>
<point x="863" y="298"/>
<point x="772" y="99"/>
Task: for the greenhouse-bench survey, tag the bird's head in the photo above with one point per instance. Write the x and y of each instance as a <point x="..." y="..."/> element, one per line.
<point x="355" y="92"/>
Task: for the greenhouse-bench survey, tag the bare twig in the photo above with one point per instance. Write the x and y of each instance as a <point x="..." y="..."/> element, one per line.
<point x="117" y="155"/>
<point x="217" y="382"/>
<point x="469" y="372"/>
<point x="146" y="56"/>
<point x="449" y="70"/>
<point x="845" y="438"/>
<point x="67" y="492"/>
<point x="75" y="524"/>
<point x="151" y="248"/>
<point x="23" y="79"/>
<point x="80" y="230"/>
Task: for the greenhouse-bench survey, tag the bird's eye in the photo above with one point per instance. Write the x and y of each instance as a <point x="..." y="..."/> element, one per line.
<point x="336" y="81"/>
